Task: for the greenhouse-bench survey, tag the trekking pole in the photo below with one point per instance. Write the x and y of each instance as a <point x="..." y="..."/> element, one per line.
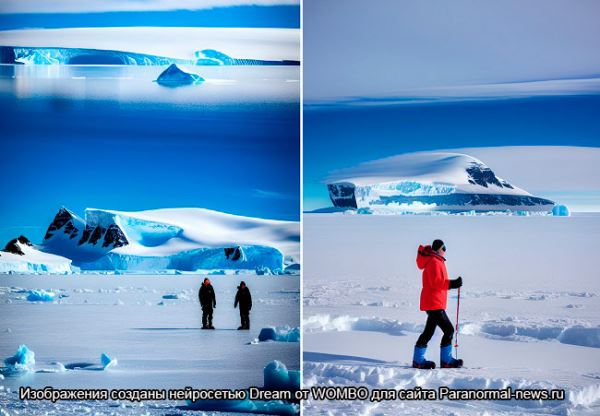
<point x="456" y="333"/>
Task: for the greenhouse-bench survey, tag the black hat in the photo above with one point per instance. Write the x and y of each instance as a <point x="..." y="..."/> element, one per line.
<point x="242" y="283"/>
<point x="437" y="244"/>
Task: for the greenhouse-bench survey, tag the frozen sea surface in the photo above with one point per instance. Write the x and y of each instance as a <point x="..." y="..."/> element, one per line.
<point x="529" y="313"/>
<point x="155" y="338"/>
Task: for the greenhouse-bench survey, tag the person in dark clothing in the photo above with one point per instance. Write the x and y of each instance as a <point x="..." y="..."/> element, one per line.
<point x="208" y="302"/>
<point x="434" y="295"/>
<point x="244" y="299"/>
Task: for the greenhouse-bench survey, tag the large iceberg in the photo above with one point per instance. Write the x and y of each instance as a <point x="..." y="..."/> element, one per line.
<point x="87" y="56"/>
<point x="186" y="239"/>
<point x="429" y="182"/>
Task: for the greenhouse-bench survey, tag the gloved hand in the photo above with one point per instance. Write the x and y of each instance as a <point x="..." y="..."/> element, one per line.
<point x="456" y="283"/>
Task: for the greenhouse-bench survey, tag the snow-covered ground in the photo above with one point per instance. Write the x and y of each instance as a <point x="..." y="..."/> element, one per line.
<point x="529" y="309"/>
<point x="150" y="325"/>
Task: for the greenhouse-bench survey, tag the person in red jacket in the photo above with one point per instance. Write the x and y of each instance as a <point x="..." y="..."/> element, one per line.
<point x="434" y="296"/>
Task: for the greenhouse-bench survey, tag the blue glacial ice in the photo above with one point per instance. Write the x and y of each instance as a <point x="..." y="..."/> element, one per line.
<point x="40" y="296"/>
<point x="276" y="377"/>
<point x="84" y="56"/>
<point x="212" y="57"/>
<point x="561" y="211"/>
<point x="106" y="361"/>
<point x="274" y="407"/>
<point x="207" y="258"/>
<point x="409" y="197"/>
<point x="80" y="56"/>
<point x="279" y="334"/>
<point x="23" y="361"/>
<point x="174" y="76"/>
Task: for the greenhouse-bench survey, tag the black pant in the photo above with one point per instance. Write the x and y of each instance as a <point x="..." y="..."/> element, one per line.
<point x="245" y="318"/>
<point x="434" y="319"/>
<point x="207" y="315"/>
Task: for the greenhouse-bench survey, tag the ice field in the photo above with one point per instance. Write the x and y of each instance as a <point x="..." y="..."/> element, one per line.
<point x="150" y="325"/>
<point x="528" y="315"/>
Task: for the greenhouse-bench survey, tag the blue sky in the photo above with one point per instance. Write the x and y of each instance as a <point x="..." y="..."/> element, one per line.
<point x="239" y="16"/>
<point x="241" y="162"/>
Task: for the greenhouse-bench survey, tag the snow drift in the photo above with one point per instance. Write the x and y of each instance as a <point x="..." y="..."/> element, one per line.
<point x="186" y="239"/>
<point x="431" y="181"/>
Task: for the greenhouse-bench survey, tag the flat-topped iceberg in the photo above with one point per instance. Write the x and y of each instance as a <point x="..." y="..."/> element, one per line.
<point x="185" y="239"/>
<point x="429" y="182"/>
<point x="88" y="56"/>
<point x="174" y="76"/>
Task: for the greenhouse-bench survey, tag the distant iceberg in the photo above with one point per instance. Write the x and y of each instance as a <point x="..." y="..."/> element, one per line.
<point x="86" y="56"/>
<point x="41" y="296"/>
<point x="561" y="211"/>
<point x="212" y="57"/>
<point x="429" y="182"/>
<point x="174" y="76"/>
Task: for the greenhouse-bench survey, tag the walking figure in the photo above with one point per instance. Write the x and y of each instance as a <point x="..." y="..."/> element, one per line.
<point x="434" y="296"/>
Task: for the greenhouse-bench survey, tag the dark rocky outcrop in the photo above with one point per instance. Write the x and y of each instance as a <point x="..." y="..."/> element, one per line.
<point x="484" y="176"/>
<point x="114" y="236"/>
<point x="233" y="253"/>
<point x="13" y="247"/>
<point x="62" y="218"/>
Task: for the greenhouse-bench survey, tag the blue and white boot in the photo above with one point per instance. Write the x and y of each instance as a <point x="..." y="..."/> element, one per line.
<point x="447" y="360"/>
<point x="419" y="360"/>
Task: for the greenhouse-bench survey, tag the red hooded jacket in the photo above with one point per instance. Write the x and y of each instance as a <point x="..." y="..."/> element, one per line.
<point x="435" y="279"/>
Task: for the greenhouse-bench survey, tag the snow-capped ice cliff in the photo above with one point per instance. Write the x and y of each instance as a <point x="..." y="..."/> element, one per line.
<point x="429" y="181"/>
<point x="186" y="239"/>
<point x="84" y="56"/>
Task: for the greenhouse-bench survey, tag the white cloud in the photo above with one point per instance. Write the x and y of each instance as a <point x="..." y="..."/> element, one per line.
<point x="470" y="92"/>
